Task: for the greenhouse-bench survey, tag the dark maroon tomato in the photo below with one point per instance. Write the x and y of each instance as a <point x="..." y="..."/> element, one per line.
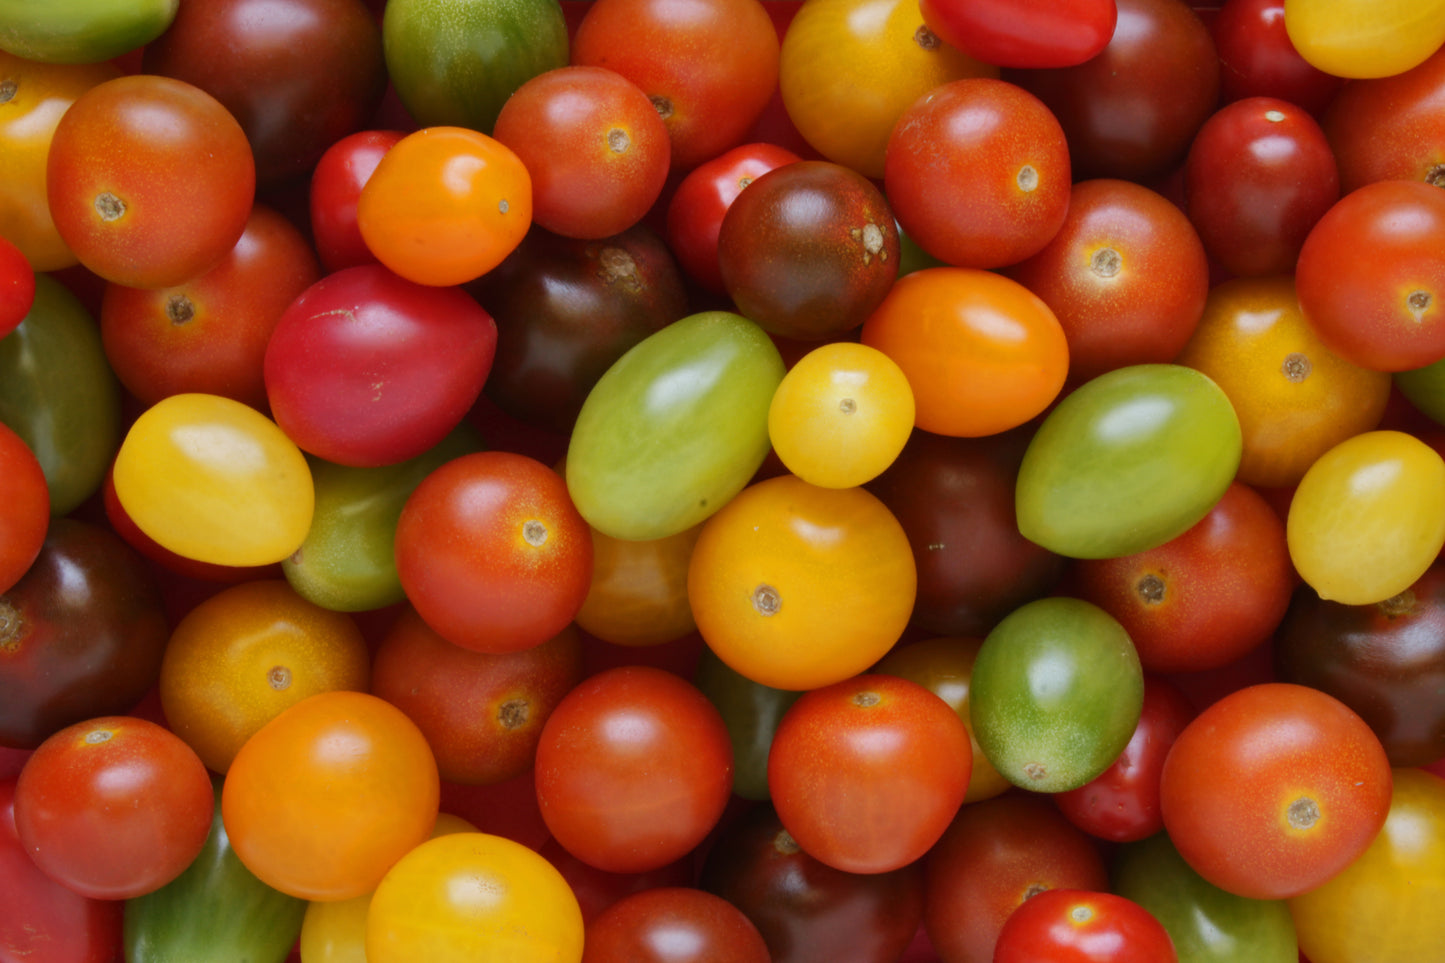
<point x="17" y="286"/>
<point x="1121" y="804"/>
<point x="336" y="185"/>
<point x="81" y="634"/>
<point x="366" y="368"/>
<point x="676" y="924"/>
<point x="1132" y="111"/>
<point x="1385" y="661"/>
<point x="1023" y="33"/>
<point x="1257" y="59"/>
<point x="596" y="889"/>
<point x="297" y="74"/>
<point x="954" y="498"/>
<point x="566" y="309"/>
<point x="695" y="212"/>
<point x="808" y="912"/>
<point x="1258" y="176"/>
<point x="808" y="250"/>
<point x="42" y="920"/>
<point x="996" y="854"/>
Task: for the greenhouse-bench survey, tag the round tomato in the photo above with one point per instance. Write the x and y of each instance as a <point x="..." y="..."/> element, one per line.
<point x="17" y="286"/>
<point x="336" y="183"/>
<point x="674" y="925"/>
<point x="322" y="800"/>
<point x="1075" y="926"/>
<point x="492" y="552"/>
<point x="638" y="594"/>
<point x="1388" y="128"/>
<point x="1274" y="789"/>
<point x="27" y="513"/>
<point x="1257" y="58"/>
<point x="1365" y="38"/>
<point x="445" y="205"/>
<point x="982" y="353"/>
<point x="114" y="807"/>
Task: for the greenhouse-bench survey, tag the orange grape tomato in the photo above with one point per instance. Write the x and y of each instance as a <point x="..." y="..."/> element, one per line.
<point x="445" y="205"/>
<point x="241" y="657"/>
<point x="638" y="594"/>
<point x="1295" y="398"/>
<point x="841" y="415"/>
<point x="796" y="586"/>
<point x="982" y="353"/>
<point x="328" y="795"/>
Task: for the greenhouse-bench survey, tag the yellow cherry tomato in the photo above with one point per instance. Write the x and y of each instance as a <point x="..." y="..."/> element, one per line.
<point x="1368" y="517"/>
<point x="1365" y="38"/>
<point x="841" y="415"/>
<point x="215" y="480"/>
<point x="473" y="896"/>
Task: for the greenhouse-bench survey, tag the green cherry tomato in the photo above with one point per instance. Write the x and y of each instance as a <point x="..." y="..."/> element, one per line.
<point x="1206" y="923"/>
<point x="58" y="393"/>
<point x="1127" y="462"/>
<point x="1368" y="517"/>
<point x="81" y="31"/>
<point x="675" y="428"/>
<point x="215" y="480"/>
<point x="1057" y="693"/>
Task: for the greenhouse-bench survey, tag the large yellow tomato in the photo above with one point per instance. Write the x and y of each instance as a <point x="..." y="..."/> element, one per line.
<point x="796" y="586"/>
<point x="1385" y="906"/>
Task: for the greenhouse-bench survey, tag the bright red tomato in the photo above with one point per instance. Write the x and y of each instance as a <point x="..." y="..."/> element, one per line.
<point x="336" y="184"/>
<point x="1077" y="926"/>
<point x="1023" y="33"/>
<point x="493" y="553"/>
<point x="17" y="286"/>
<point x="26" y="516"/>
<point x="633" y="770"/>
<point x="867" y="773"/>
<point x="113" y="807"/>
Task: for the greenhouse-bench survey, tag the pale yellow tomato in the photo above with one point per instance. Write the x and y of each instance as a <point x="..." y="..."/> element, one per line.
<point x="473" y="896"/>
<point x="215" y="480"/>
<point x="1368" y="517"/>
<point x="1365" y="38"/>
<point x="841" y="415"/>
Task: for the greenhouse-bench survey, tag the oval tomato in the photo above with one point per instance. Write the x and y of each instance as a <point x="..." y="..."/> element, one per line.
<point x="1365" y="38"/>
<point x="1035" y="33"/>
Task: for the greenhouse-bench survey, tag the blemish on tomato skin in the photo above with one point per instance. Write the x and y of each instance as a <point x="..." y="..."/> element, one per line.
<point x="12" y="627"/>
<point x="8" y="89"/>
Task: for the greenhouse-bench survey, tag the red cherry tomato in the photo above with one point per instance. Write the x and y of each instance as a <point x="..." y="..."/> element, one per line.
<point x="1257" y="59"/>
<point x="17" y="286"/>
<point x="1023" y="33"/>
<point x="336" y="185"/>
<point x="1077" y="926"/>
<point x="25" y="516"/>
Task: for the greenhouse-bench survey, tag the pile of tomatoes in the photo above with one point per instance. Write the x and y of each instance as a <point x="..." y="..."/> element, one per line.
<point x="721" y="480"/>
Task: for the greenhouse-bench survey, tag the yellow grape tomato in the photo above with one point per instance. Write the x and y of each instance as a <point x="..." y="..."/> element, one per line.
<point x="215" y="480"/>
<point x="1365" y="38"/>
<point x="1368" y="517"/>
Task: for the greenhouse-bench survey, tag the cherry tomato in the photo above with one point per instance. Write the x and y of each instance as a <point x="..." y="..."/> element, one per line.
<point x="336" y="183"/>
<point x="1074" y="926"/>
<point x="1257" y="59"/>
<point x="17" y="286"/>
<point x="1387" y="128"/>
<point x="638" y="594"/>
<point x="27" y="507"/>
<point x="1035" y="33"/>
<point x="673" y="925"/>
<point x="1365" y="38"/>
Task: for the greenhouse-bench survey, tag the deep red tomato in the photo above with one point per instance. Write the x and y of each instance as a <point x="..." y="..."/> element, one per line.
<point x="634" y="769"/>
<point x="209" y="334"/>
<point x="595" y="146"/>
<point x="336" y="184"/>
<point x="1258" y="176"/>
<point x="1003" y="156"/>
<point x="41" y="919"/>
<point x="673" y="925"/>
<point x="867" y="773"/>
<point x="1077" y="926"/>
<point x="1370" y="279"/>
<point x="17" y="286"/>
<point x="1274" y="789"/>
<point x="1032" y="33"/>
<point x="26" y="515"/>
<point x="366" y="368"/>
<point x="1257" y="59"/>
<point x="150" y="180"/>
<point x="492" y="552"/>
<point x="695" y="212"/>
<point x="1122" y="804"/>
<point x="114" y="807"/>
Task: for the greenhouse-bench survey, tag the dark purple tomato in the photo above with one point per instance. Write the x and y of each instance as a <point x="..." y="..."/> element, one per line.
<point x="81" y="634"/>
<point x="954" y="498"/>
<point x="809" y="250"/>
<point x="1386" y="661"/>
<point x="1132" y="111"/>
<point x="1257" y="59"/>
<point x="808" y="912"/>
<point x="297" y="74"/>
<point x="566" y="309"/>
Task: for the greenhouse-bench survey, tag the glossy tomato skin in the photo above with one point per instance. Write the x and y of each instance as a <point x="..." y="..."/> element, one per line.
<point x="403" y="364"/>
<point x="297" y="75"/>
<point x="1003" y="156"/>
<point x="83" y="634"/>
<point x="1258" y="176"/>
<point x="1131" y="111"/>
<point x="1032" y="34"/>
<point x="1076" y="926"/>
<point x="806" y="911"/>
<point x="114" y="807"/>
<point x="1257" y="59"/>
<point x="866" y="774"/>
<point x="27" y="514"/>
<point x="1388" y="127"/>
<point x="673" y="925"/>
<point x="1274" y="789"/>
<point x="142" y="209"/>
<point x="17" y="286"/>
<point x="493" y="553"/>
<point x="336" y="182"/>
<point x="1384" y="660"/>
<point x="633" y="769"/>
<point x="1402" y="35"/>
